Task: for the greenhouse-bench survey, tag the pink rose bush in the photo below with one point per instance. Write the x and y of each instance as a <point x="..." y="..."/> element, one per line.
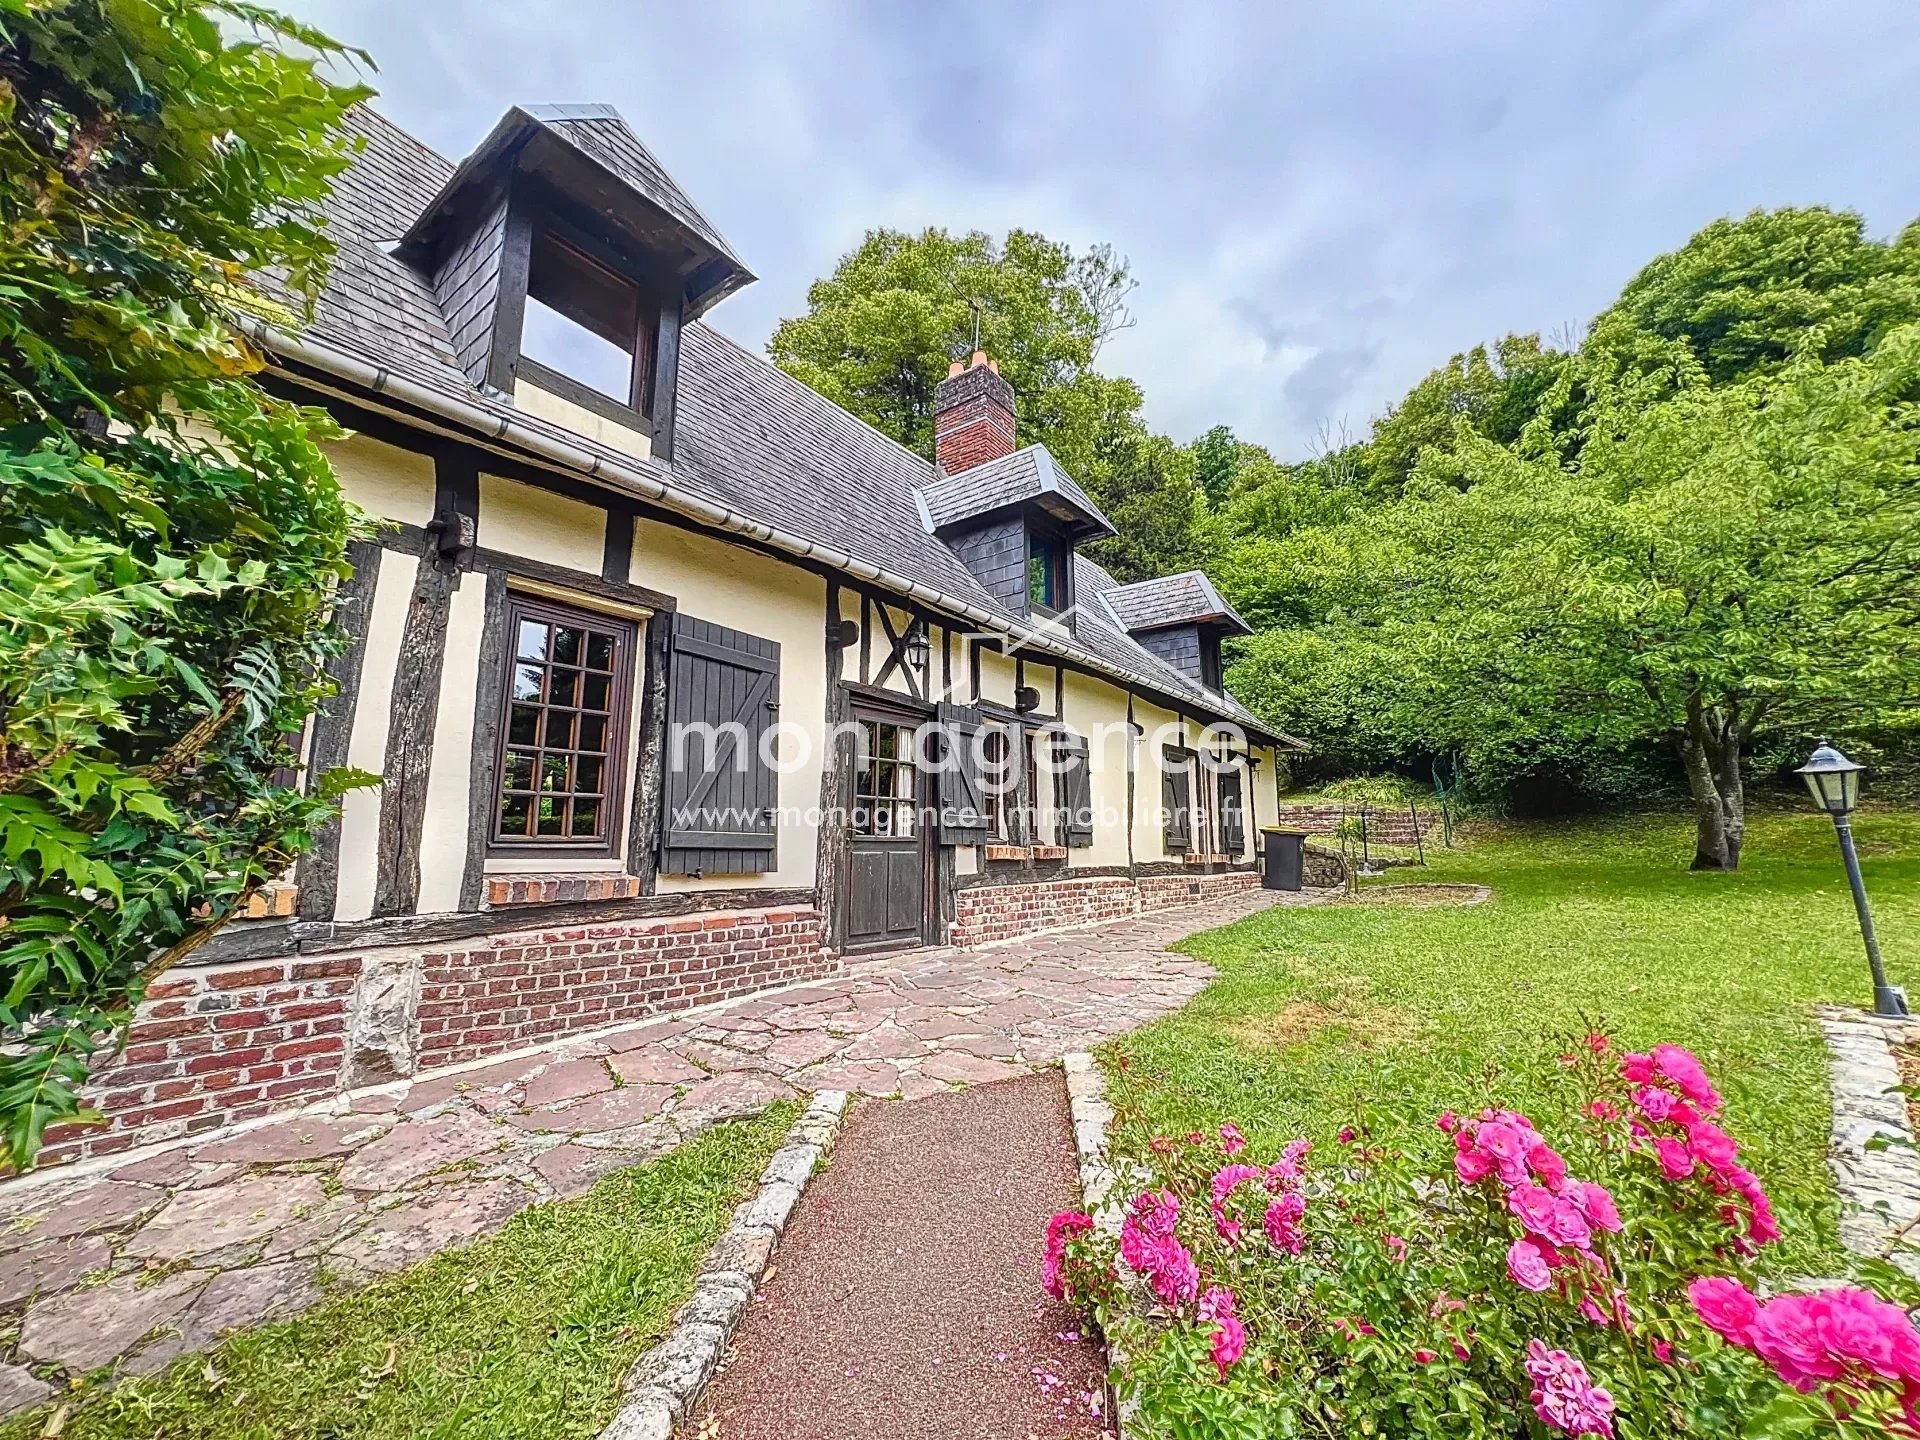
<point x="1594" y="1274"/>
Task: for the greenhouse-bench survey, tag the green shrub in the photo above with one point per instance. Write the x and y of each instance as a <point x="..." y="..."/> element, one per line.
<point x="165" y="584"/>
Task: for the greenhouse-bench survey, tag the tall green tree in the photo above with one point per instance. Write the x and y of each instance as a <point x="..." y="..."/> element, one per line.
<point x="1493" y="392"/>
<point x="1147" y="488"/>
<point x="165" y="582"/>
<point x="1721" y="561"/>
<point x="879" y="333"/>
<point x="1216" y="461"/>
<point x="1743" y="296"/>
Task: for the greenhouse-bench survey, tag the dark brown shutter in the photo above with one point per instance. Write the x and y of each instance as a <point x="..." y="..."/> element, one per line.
<point x="1076" y="792"/>
<point x="1176" y="798"/>
<point x="1233" y="829"/>
<point x="963" y="815"/>
<point x="720" y="794"/>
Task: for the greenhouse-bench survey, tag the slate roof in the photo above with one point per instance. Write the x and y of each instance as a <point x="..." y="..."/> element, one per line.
<point x="1188" y="598"/>
<point x="746" y="435"/>
<point x="599" y="131"/>
<point x="1027" y="474"/>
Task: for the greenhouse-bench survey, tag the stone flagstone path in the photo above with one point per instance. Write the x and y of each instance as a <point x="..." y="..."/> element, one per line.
<point x="145" y="1258"/>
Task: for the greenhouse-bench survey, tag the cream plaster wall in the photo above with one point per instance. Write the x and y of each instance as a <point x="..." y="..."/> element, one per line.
<point x="519" y="519"/>
<point x="384" y="479"/>
<point x="1160" y="727"/>
<point x="743" y="590"/>
<point x="582" y="421"/>
<point x="1266" y="809"/>
<point x="996" y="677"/>
<point x="443" y="836"/>
<point x="1098" y="711"/>
<point x="367" y="747"/>
<point x="881" y="647"/>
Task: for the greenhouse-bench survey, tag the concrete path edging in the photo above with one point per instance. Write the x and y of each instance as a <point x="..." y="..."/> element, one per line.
<point x="663" y="1384"/>
<point x="1876" y="1167"/>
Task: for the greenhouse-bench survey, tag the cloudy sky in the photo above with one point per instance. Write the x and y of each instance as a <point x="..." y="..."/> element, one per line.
<point x="1321" y="201"/>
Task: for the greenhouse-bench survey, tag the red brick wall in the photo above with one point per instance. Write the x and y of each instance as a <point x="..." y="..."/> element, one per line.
<point x="999" y="912"/>
<point x="513" y="990"/>
<point x="972" y="433"/>
<point x="216" y="1045"/>
<point x="1158" y="892"/>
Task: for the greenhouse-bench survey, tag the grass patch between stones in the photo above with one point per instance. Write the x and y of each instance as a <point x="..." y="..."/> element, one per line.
<point x="524" y="1334"/>
<point x="1412" y="1009"/>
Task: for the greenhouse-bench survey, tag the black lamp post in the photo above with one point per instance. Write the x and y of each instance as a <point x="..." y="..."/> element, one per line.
<point x="1835" y="783"/>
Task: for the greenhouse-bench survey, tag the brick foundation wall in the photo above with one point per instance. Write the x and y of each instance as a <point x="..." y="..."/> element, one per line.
<point x="1384" y="827"/>
<point x="215" y="1045"/>
<point x="1000" y="912"/>
<point x="984" y="913"/>
<point x="514" y="990"/>
<point x="1158" y="892"/>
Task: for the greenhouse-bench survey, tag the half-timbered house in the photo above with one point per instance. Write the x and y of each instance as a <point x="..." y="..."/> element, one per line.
<point x="645" y="653"/>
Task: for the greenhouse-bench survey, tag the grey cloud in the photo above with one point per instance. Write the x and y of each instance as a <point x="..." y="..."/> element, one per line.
<point x="1314" y="391"/>
<point x="1381" y="185"/>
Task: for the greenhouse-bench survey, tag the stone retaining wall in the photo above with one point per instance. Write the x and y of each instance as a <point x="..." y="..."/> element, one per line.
<point x="1384" y="827"/>
<point x="219" y="1044"/>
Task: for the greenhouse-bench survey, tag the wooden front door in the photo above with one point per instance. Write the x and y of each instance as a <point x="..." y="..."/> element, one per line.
<point x="887" y="872"/>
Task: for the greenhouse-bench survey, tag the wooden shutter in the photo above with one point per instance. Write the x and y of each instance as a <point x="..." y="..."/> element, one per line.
<point x="1233" y="828"/>
<point x="1176" y="798"/>
<point x="717" y="815"/>
<point x="963" y="814"/>
<point x="1075" y="792"/>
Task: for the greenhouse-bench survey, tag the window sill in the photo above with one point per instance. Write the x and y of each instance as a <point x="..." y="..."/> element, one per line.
<point x="1006" y="852"/>
<point x="504" y="891"/>
<point x="1048" y="852"/>
<point x="1193" y="859"/>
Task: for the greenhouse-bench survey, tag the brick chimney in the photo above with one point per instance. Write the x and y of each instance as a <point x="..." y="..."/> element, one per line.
<point x="972" y="415"/>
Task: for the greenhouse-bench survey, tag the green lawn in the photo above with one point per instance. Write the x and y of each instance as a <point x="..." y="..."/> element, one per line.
<point x="1419" y="1010"/>
<point x="525" y="1334"/>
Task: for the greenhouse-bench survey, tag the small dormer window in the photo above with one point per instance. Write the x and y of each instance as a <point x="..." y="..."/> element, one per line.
<point x="586" y="323"/>
<point x="565" y="261"/>
<point x="1045" y="586"/>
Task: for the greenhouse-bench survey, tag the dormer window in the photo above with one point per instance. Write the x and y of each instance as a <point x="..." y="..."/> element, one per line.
<point x="1180" y="618"/>
<point x="1046" y="585"/>
<point x="566" y="260"/>
<point x="587" y="327"/>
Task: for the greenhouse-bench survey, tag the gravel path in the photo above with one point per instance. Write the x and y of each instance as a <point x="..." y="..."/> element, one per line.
<point x="905" y="1303"/>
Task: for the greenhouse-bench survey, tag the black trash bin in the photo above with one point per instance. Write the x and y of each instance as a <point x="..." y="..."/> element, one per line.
<point x="1283" y="857"/>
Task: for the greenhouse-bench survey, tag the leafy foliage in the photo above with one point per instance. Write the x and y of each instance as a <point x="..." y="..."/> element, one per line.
<point x="880" y="331"/>
<point x="1690" y="538"/>
<point x="170" y="535"/>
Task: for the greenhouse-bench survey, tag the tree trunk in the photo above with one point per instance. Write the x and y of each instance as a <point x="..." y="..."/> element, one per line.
<point x="1710" y="749"/>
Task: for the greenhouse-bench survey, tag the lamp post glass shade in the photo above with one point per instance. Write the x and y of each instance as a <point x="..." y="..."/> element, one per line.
<point x="1833" y="779"/>
<point x="919" y="647"/>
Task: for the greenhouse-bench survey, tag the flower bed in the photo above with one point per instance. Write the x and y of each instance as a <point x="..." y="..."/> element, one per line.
<point x="1595" y="1277"/>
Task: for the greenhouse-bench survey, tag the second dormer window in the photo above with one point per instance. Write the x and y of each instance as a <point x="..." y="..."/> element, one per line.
<point x="586" y="325"/>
